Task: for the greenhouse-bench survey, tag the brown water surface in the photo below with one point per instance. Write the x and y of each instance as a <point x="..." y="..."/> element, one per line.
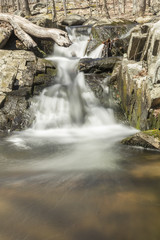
<point x="99" y="194"/>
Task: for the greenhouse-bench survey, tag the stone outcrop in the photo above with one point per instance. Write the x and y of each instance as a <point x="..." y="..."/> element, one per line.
<point x="89" y="65"/>
<point x="139" y="78"/>
<point x="114" y="36"/>
<point x="146" y="139"/>
<point x="22" y="75"/>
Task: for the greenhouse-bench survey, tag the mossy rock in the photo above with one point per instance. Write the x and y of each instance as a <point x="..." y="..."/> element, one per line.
<point x="145" y="139"/>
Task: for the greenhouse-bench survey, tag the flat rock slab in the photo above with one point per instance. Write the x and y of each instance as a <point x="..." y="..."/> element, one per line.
<point x="89" y="65"/>
<point x="146" y="139"/>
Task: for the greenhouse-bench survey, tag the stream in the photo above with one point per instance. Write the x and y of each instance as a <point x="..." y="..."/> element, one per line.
<point x="68" y="177"/>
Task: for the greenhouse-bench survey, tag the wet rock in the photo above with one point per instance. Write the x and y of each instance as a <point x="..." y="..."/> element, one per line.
<point x="22" y="75"/>
<point x="146" y="139"/>
<point x="115" y="38"/>
<point x="95" y="82"/>
<point x="73" y="20"/>
<point x="88" y="65"/>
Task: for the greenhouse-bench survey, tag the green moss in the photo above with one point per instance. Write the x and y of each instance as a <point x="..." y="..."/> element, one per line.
<point x="52" y="72"/>
<point x="154" y="133"/>
<point x="153" y="121"/>
<point x="139" y="108"/>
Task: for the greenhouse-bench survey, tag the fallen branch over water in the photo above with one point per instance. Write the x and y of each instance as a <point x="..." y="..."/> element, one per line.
<point x="24" y="29"/>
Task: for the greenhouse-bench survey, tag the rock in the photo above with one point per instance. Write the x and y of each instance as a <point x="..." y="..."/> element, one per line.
<point x="146" y="139"/>
<point x="95" y="82"/>
<point x="42" y="20"/>
<point x="142" y="20"/>
<point x="90" y="22"/>
<point x="136" y="46"/>
<point x="155" y="7"/>
<point x="73" y="20"/>
<point x="115" y="38"/>
<point x="5" y="33"/>
<point x="38" y="5"/>
<point x="88" y="65"/>
<point x="22" y="75"/>
<point x="139" y="78"/>
<point x="134" y="92"/>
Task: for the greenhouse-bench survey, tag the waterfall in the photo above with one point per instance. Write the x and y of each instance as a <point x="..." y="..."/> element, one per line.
<point x="68" y="110"/>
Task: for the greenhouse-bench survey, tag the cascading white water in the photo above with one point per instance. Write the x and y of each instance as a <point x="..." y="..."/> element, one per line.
<point x="69" y="111"/>
<point x="70" y="102"/>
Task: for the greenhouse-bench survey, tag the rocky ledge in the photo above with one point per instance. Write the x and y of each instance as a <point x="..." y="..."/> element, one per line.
<point x="22" y="75"/>
<point x="146" y="139"/>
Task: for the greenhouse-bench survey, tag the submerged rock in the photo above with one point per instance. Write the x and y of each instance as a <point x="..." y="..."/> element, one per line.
<point x="146" y="139"/>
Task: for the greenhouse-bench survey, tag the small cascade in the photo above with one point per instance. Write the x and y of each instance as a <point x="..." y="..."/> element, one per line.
<point x="70" y="103"/>
<point x="97" y="53"/>
<point x="68" y="109"/>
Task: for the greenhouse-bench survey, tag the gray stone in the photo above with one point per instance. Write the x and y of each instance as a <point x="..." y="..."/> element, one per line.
<point x="146" y="139"/>
<point x="21" y="72"/>
<point x="88" y="65"/>
<point x="73" y="20"/>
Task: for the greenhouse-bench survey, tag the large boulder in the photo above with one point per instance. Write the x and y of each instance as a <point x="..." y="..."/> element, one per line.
<point x="73" y="20"/>
<point x="22" y="75"/>
<point x="139" y="78"/>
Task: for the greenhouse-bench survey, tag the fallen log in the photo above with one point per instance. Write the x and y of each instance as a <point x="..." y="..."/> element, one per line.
<point x="24" y="29"/>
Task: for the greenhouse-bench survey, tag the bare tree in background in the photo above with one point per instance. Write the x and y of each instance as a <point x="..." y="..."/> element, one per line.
<point x="142" y="7"/>
<point x="105" y="3"/>
<point x="90" y="7"/>
<point x="18" y="5"/>
<point x="26" y="7"/>
<point x="135" y="7"/>
<point x="54" y="13"/>
<point x="65" y="7"/>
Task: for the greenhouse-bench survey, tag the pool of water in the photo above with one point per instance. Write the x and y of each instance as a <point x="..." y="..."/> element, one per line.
<point x="85" y="190"/>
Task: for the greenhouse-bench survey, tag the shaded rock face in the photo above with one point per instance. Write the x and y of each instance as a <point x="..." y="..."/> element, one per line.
<point x="22" y="76"/>
<point x="114" y="37"/>
<point x="139" y="78"/>
<point x="88" y="65"/>
<point x="5" y="33"/>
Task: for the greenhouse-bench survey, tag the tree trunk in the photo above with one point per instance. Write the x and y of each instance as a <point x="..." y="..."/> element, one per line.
<point x="18" y="5"/>
<point x="54" y="13"/>
<point x="26" y="7"/>
<point x="135" y="7"/>
<point x="142" y="7"/>
<point x="23" y="27"/>
<point x="65" y="8"/>
<point x="106" y="8"/>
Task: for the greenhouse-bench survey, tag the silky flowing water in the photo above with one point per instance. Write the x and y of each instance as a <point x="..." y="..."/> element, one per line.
<point x="68" y="177"/>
